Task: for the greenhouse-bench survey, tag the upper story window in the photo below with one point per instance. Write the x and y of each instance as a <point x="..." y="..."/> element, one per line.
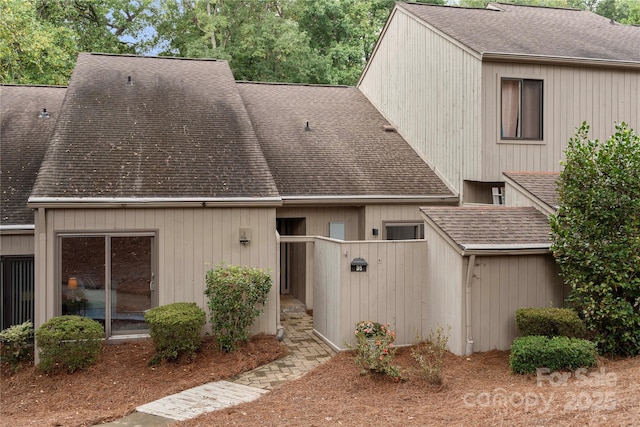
<point x="521" y="109"/>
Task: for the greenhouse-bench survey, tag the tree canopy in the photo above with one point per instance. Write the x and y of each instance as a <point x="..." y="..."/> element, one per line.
<point x="302" y="41"/>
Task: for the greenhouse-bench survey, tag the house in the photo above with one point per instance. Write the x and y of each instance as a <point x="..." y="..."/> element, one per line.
<point x="482" y="91"/>
<point x="490" y="98"/>
<point x="160" y="168"/>
<point x="368" y="202"/>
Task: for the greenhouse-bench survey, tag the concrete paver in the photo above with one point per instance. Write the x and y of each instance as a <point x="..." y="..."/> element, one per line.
<point x="306" y="351"/>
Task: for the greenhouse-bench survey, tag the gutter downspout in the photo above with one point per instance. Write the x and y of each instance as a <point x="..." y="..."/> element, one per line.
<point x="470" y="267"/>
<point x="279" y="328"/>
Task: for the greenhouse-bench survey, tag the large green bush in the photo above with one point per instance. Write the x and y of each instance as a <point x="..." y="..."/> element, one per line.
<point x="557" y="353"/>
<point x="69" y="343"/>
<point x="596" y="236"/>
<point x="549" y="321"/>
<point x="236" y="298"/>
<point x="175" y="329"/>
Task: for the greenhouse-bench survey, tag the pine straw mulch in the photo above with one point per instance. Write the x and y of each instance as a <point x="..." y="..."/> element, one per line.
<point x="119" y="382"/>
<point x="478" y="390"/>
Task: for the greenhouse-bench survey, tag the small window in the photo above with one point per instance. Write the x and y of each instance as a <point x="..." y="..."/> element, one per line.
<point x="337" y="230"/>
<point x="498" y="195"/>
<point x="404" y="231"/>
<point x="521" y="109"/>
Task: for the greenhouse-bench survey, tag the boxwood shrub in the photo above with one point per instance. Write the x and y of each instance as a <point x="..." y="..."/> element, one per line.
<point x="69" y="343"/>
<point x="175" y="329"/>
<point x="556" y="353"/>
<point x="550" y="322"/>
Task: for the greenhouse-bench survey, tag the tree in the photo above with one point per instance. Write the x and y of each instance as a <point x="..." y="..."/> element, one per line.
<point x="32" y="51"/>
<point x="40" y="40"/>
<point x="596" y="235"/>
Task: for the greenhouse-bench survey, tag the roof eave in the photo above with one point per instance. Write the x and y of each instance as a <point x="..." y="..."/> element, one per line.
<point x="558" y="60"/>
<point x="134" y="202"/>
<point x="368" y="200"/>
<point x="505" y="249"/>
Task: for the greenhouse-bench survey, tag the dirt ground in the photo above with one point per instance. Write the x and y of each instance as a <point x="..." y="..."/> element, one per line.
<point x="478" y="390"/>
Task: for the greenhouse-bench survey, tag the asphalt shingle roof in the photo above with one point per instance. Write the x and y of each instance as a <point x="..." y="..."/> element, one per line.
<point x="542" y="185"/>
<point x="24" y="137"/>
<point x="346" y="152"/>
<point x="535" y="31"/>
<point x="177" y="129"/>
<point x="491" y="225"/>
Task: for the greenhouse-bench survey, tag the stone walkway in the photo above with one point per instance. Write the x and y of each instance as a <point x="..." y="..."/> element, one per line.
<point x="306" y="351"/>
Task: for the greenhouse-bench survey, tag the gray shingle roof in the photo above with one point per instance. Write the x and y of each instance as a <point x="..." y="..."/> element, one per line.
<point x="541" y="185"/>
<point x="346" y="152"/>
<point x="177" y="130"/>
<point x="24" y="137"/>
<point x="527" y="30"/>
<point x="492" y="226"/>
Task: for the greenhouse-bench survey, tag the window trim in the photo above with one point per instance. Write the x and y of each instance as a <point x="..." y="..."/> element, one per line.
<point x="543" y="117"/>
<point x="415" y="223"/>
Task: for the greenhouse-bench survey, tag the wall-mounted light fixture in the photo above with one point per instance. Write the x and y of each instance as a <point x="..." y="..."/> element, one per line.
<point x="245" y="235"/>
<point x="374" y="231"/>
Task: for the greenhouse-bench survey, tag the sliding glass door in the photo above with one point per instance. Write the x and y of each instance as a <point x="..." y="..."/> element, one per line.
<point x="109" y="278"/>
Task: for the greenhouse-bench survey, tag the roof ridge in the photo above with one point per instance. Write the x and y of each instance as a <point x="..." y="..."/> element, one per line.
<point x="535" y="6"/>
<point x="294" y="84"/>
<point x="129" y="55"/>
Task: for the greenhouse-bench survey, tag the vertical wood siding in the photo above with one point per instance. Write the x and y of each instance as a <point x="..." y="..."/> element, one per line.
<point x="430" y="89"/>
<point x="317" y="219"/>
<point x="17" y="244"/>
<point x="377" y="215"/>
<point x="190" y="242"/>
<point x="392" y="290"/>
<point x="572" y="95"/>
<point x="503" y="284"/>
<point x="446" y="283"/>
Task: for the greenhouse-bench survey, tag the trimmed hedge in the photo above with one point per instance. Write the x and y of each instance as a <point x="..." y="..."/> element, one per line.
<point x="69" y="343"/>
<point x="557" y="353"/>
<point x="175" y="329"/>
<point x="550" y="322"/>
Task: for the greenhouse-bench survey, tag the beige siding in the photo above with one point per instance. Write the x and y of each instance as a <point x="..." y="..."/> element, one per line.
<point x="377" y="215"/>
<point x="16" y="244"/>
<point x="446" y="278"/>
<point x="429" y="88"/>
<point x="317" y="219"/>
<point x="571" y="95"/>
<point x="189" y="242"/>
<point x="501" y="285"/>
<point x="392" y="290"/>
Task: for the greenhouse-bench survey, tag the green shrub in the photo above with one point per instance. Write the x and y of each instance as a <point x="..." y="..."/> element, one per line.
<point x="68" y="343"/>
<point x="236" y="297"/>
<point x="550" y="322"/>
<point x="16" y="344"/>
<point x="595" y="236"/>
<point x="175" y="329"/>
<point x="557" y="353"/>
<point x="429" y="352"/>
<point x="375" y="350"/>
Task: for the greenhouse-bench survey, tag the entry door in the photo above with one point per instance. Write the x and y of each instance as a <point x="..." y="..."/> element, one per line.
<point x="292" y="258"/>
<point x="109" y="278"/>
